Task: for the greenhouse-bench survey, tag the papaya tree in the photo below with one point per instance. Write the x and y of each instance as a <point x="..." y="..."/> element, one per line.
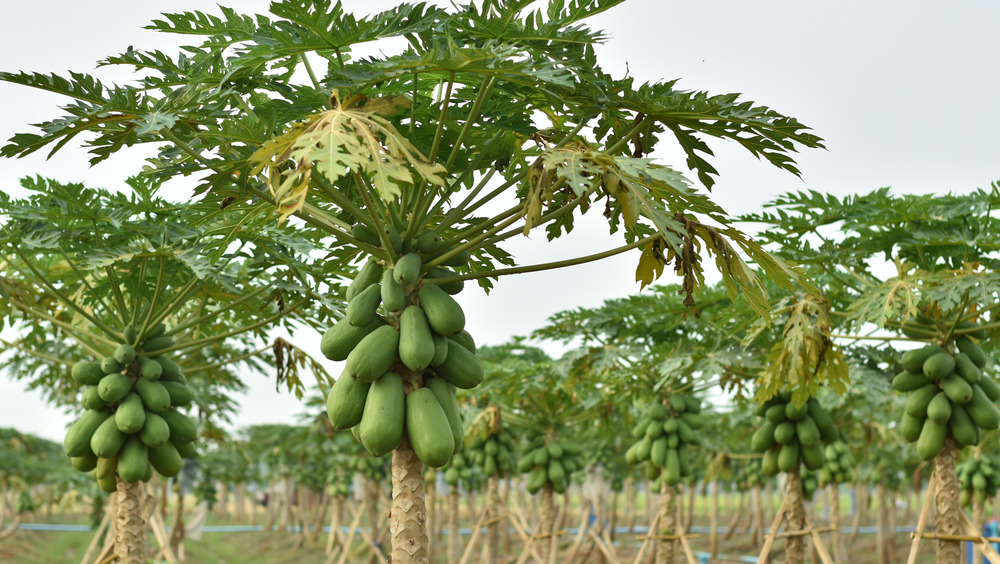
<point x="941" y="294"/>
<point x="492" y="121"/>
<point x="91" y="279"/>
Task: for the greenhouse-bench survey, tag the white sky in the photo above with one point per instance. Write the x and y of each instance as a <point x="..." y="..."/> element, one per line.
<point x="904" y="94"/>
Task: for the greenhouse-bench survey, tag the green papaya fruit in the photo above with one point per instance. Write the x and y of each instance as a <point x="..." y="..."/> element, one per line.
<point x="169" y="371"/>
<point x="78" y="436"/>
<point x="369" y="274"/>
<point x="788" y="456"/>
<point x="658" y="452"/>
<point x="111" y="366"/>
<point x="416" y="344"/>
<point x="450" y="288"/>
<point x="131" y="334"/>
<point x="931" y="439"/>
<point x="440" y="349"/>
<point x="907" y="381"/>
<point x="967" y="369"/>
<point x="87" y="373"/>
<point x="982" y="411"/>
<point x="338" y="341"/>
<point x="461" y="368"/>
<point x="917" y="400"/>
<point x="113" y="387"/>
<point x="939" y="365"/>
<point x="131" y="415"/>
<point x="182" y="428"/>
<point x="763" y="438"/>
<point x="107" y="439"/>
<point x="345" y="403"/>
<point x="812" y="456"/>
<point x="180" y="395"/>
<point x="133" y="460"/>
<point x="428" y="429"/>
<point x="957" y="388"/>
<point x="465" y="339"/>
<point x="784" y="432"/>
<point x="393" y="296"/>
<point x="382" y="422"/>
<point x="445" y="395"/>
<point x="913" y="360"/>
<point x="443" y="312"/>
<point x="366" y="235"/>
<point x="807" y="433"/>
<point x="186" y="450"/>
<point x="769" y="464"/>
<point x="939" y="409"/>
<point x="84" y="463"/>
<point x="407" y="269"/>
<point x="962" y="427"/>
<point x="990" y="387"/>
<point x="910" y="427"/>
<point x="824" y="422"/>
<point x="156" y="344"/>
<point x="154" y="431"/>
<point x="970" y="348"/>
<point x="776" y="413"/>
<point x="91" y="398"/>
<point x="124" y="354"/>
<point x="148" y="368"/>
<point x="154" y="394"/>
<point x="374" y="355"/>
<point x="361" y="310"/>
<point x="427" y="242"/>
<point x="165" y="459"/>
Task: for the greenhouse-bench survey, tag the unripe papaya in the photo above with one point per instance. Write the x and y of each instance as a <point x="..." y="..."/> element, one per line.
<point x="111" y="366"/>
<point x="658" y="452"/>
<point x="910" y="427"/>
<point x="381" y="426"/>
<point x="87" y="373"/>
<point x="982" y="411"/>
<point x="769" y="464"/>
<point x="152" y="346"/>
<point x="458" y="259"/>
<point x="913" y="360"/>
<point x="131" y="415"/>
<point x="345" y="403"/>
<point x="124" y="354"/>
<point x="368" y="275"/>
<point x="784" y="433"/>
<point x="186" y="449"/>
<point x="113" y="387"/>
<point x="149" y="369"/>
<point x="461" y="368"/>
<point x="133" y="460"/>
<point x="440" y="349"/>
<point x="154" y="395"/>
<point x="428" y="428"/>
<point x="107" y="439"/>
<point x="365" y="234"/>
<point x="827" y="428"/>
<point x="78" y="436"/>
<point x="788" y="456"/>
<point x="165" y="459"/>
<point x="796" y="413"/>
<point x="154" y="431"/>
<point x="91" y="398"/>
<point x="967" y="369"/>
<point x="962" y="427"/>
<point x="939" y="409"/>
<point x="990" y="387"/>
<point x="338" y="341"/>
<point x="465" y="339"/>
<point x="939" y="365"/>
<point x="416" y="345"/>
<point x="170" y="372"/>
<point x="445" y="395"/>
<point x="969" y="347"/>
<point x="84" y="463"/>
<point x="807" y="432"/>
<point x="776" y="413"/>
<point x="443" y="312"/>
<point x="106" y="467"/>
<point x="450" y="288"/>
<point x="907" y="381"/>
<point x="763" y="438"/>
<point x="812" y="456"/>
<point x="374" y="355"/>
<point x="180" y="394"/>
<point x="917" y="400"/>
<point x="362" y="308"/>
<point x="931" y="439"/>
<point x="131" y="334"/>
<point x="407" y="269"/>
<point x="182" y="428"/>
<point x="427" y="242"/>
<point x="957" y="389"/>
<point x="393" y="296"/>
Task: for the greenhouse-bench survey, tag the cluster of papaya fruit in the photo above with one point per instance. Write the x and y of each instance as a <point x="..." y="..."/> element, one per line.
<point x="548" y="460"/>
<point x="810" y="483"/>
<point x="946" y="391"/>
<point x="749" y="476"/>
<point x="980" y="478"/>
<point x="407" y="350"/>
<point x="340" y="482"/>
<point x="458" y="469"/>
<point x="839" y="464"/>
<point x="792" y="433"/>
<point x="496" y="454"/>
<point x="131" y="424"/>
<point x="665" y="431"/>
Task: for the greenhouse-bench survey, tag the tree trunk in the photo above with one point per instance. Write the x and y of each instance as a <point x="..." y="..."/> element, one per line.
<point x="757" y="517"/>
<point x="130" y="534"/>
<point x="494" y="506"/>
<point x="795" y="519"/>
<point x="547" y="523"/>
<point x="714" y="525"/>
<point x="454" y="540"/>
<point x="836" y="536"/>
<point x="692" y="491"/>
<point x="432" y="518"/>
<point x="374" y="516"/>
<point x="946" y="502"/>
<point x="666" y="549"/>
<point x="978" y="518"/>
<point x="613" y="515"/>
<point x="177" y="529"/>
<point x="407" y="519"/>
<point x="881" y="542"/>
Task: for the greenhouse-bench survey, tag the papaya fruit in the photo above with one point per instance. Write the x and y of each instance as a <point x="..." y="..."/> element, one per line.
<point x="639" y="429"/>
<point x="917" y="330"/>
<point x="769" y="464"/>
<point x="106" y="467"/>
<point x="962" y="427"/>
<point x="967" y="369"/>
<point x="186" y="449"/>
<point x="169" y="371"/>
<point x="673" y="441"/>
<point x="939" y="365"/>
<point x="784" y="432"/>
<point x="154" y="394"/>
<point x="107" y="439"/>
<point x="149" y="369"/>
<point x="643" y="450"/>
<point x="124" y="354"/>
<point x="338" y="341"/>
<point x="693" y="420"/>
<point x="907" y="381"/>
<point x="428" y="429"/>
<point x="655" y="411"/>
<point x="87" y="373"/>
<point x="461" y="368"/>
<point x="361" y="310"/>
<point x="913" y="360"/>
<point x="931" y="439"/>
<point x="443" y="312"/>
<point x="957" y="388"/>
<point x="445" y="395"/>
<point x="108" y="484"/>
<point x="807" y="433"/>
<point x="686" y="434"/>
<point x="148" y="474"/>
<point x="824" y="422"/>
<point x="395" y="240"/>
<point x="365" y="234"/>
<point x="182" y="428"/>
<point x="374" y="355"/>
<point x="369" y="274"/>
<point x="382" y="422"/>
<point x="910" y="427"/>
<point x="78" y="436"/>
<point x="180" y="394"/>
<point x="440" y="349"/>
<point x="763" y="438"/>
<point x="111" y="366"/>
<point x="154" y="431"/>
<point x="677" y="404"/>
<point x="536" y="479"/>
<point x="796" y="412"/>
<point x="939" y="409"/>
<point x="133" y="460"/>
<point x="393" y="296"/>
<point x="156" y="344"/>
<point x="84" y="463"/>
<point x="670" y="424"/>
<point x="427" y="242"/>
<point x="917" y="400"/>
<point x="91" y="398"/>
<point x="156" y="331"/>
<point x="653" y="431"/>
<point x="970" y="348"/>
<point x="165" y="459"/>
<point x="776" y="413"/>
<point x="990" y="387"/>
<point x="416" y="345"/>
<point x="982" y="411"/>
<point x="130" y="415"/>
<point x="812" y="456"/>
<point x="465" y="339"/>
<point x="658" y="452"/>
<point x="407" y="269"/>
<point x="113" y="387"/>
<point x="346" y="401"/>
<point x="972" y="329"/>
<point x="788" y="456"/>
<point x="450" y="288"/>
<point x="131" y="334"/>
<point x="458" y="259"/>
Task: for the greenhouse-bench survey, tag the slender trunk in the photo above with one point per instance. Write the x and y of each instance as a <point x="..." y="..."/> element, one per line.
<point x="432" y="518"/>
<point x="946" y="501"/>
<point x="239" y="501"/>
<point x="407" y="519"/>
<point x="130" y="534"/>
<point x="891" y="537"/>
<point x="978" y="518"/>
<point x="508" y="485"/>
<point x="493" y="509"/>
<point x="881" y="542"/>
<point x="860" y="507"/>
<point x="374" y="516"/>
<point x="714" y="525"/>
<point x="666" y="549"/>
<point x="757" y="510"/>
<point x="692" y="495"/>
<point x="454" y="540"/>
<point x="177" y="529"/>
<point x="836" y="537"/>
<point x="795" y="519"/>
<point x="631" y="495"/>
<point x="546" y="524"/>
<point x="613" y="515"/>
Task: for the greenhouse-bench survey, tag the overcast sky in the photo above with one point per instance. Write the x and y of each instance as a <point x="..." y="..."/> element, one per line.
<point x="904" y="94"/>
